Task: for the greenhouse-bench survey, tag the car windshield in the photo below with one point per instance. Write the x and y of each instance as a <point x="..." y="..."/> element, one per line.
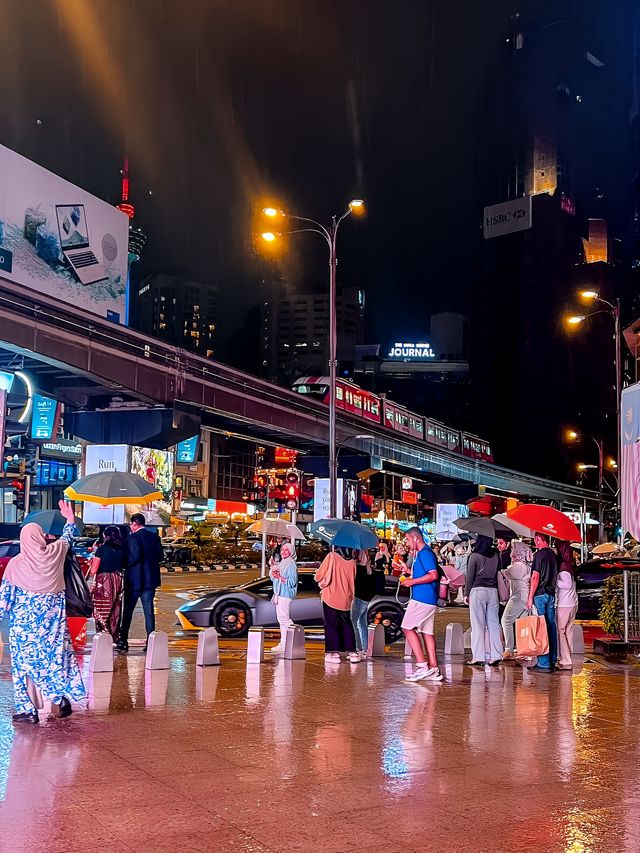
<point x="9" y="549"/>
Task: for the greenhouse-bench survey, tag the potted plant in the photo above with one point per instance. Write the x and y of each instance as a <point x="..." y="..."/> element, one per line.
<point x="612" y="615"/>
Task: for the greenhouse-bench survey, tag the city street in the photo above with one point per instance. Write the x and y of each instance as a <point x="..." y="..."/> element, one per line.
<point x="296" y="755"/>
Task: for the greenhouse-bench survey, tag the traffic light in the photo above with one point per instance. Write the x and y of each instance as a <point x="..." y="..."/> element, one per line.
<point x="18" y="493"/>
<point x="292" y="489"/>
<point x="262" y="491"/>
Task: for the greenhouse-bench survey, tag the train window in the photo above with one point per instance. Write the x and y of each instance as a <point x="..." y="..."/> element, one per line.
<point x="357" y="400"/>
<point x="339" y="393"/>
<point x="389" y="415"/>
<point x="375" y="408"/>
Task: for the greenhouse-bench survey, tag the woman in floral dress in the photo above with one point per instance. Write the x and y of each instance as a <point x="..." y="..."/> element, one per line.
<point x="32" y="593"/>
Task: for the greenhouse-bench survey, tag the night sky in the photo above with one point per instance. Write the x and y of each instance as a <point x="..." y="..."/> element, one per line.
<point x="224" y="104"/>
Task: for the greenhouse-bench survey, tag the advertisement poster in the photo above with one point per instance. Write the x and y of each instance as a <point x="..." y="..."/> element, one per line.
<point x="446" y="514"/>
<point x="186" y="450"/>
<point x="44" y="418"/>
<point x="630" y="463"/>
<point x="155" y="466"/>
<point x="60" y="241"/>
<point x="321" y="499"/>
<point x="104" y="457"/>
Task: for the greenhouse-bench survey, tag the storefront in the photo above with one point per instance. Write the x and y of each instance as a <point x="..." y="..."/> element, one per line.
<point x="57" y="468"/>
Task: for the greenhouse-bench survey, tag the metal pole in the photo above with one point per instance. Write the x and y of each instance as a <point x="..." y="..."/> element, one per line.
<point x="625" y="599"/>
<point x="333" y="467"/>
<point x="263" y="561"/>
<point x="583" y="531"/>
<point x="618" y="337"/>
<point x="600" y="486"/>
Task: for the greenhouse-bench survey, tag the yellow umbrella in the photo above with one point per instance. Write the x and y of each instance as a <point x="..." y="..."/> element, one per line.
<point x="111" y="488"/>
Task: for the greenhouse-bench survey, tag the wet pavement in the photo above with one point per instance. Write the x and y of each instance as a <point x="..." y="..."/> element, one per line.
<point x="297" y="755"/>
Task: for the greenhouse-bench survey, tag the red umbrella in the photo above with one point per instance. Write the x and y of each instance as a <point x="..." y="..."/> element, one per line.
<point x="547" y="520"/>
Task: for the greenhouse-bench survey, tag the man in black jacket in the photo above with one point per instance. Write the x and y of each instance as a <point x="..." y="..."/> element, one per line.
<point x="141" y="577"/>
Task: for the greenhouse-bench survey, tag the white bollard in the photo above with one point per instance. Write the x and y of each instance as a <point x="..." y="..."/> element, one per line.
<point x="375" y="641"/>
<point x="157" y="651"/>
<point x="577" y="639"/>
<point x="454" y="639"/>
<point x="101" y="659"/>
<point x="156" y="683"/>
<point x="208" y="653"/>
<point x="255" y="645"/>
<point x="408" y="654"/>
<point x="294" y="643"/>
<point x="206" y="683"/>
<point x="467" y="639"/>
<point x="99" y="690"/>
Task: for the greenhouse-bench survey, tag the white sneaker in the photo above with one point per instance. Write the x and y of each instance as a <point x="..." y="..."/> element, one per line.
<point x="363" y="655"/>
<point x="421" y="672"/>
<point x="354" y="657"/>
<point x="436" y="675"/>
<point x="278" y="648"/>
<point x="332" y="657"/>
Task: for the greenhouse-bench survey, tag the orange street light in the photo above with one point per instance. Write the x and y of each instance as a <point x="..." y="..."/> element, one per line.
<point x="589" y="296"/>
<point x="272" y="211"/>
<point x="575" y="319"/>
<point x="356" y="205"/>
<point x="268" y="236"/>
<point x="571" y="435"/>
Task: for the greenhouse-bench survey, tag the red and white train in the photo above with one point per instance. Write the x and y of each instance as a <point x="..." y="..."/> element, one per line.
<point x="363" y="404"/>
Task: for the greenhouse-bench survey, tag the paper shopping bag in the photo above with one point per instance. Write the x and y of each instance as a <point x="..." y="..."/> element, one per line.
<point x="531" y="637"/>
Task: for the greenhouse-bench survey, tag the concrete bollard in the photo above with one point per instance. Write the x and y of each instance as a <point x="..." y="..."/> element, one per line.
<point x="408" y="654"/>
<point x="207" y="653"/>
<point x="577" y="639"/>
<point x="454" y="639"/>
<point x="157" y="651"/>
<point x="294" y="643"/>
<point x="101" y="659"/>
<point x="467" y="639"/>
<point x="255" y="645"/>
<point x="156" y="683"/>
<point x="375" y="641"/>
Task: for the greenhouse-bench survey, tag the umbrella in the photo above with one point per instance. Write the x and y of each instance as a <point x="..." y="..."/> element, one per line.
<point x="547" y="520"/>
<point x="276" y="527"/>
<point x="606" y="549"/>
<point x="518" y="529"/>
<point x="463" y="537"/>
<point x="111" y="488"/>
<point x="344" y="533"/>
<point x="51" y="521"/>
<point x="483" y="527"/>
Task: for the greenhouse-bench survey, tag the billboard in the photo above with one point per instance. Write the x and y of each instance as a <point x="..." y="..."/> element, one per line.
<point x="630" y="462"/>
<point x="507" y="218"/>
<point x="44" y="417"/>
<point x="155" y="466"/>
<point x="60" y="241"/>
<point x="321" y="500"/>
<point x="187" y="450"/>
<point x="104" y="457"/>
<point x="446" y="514"/>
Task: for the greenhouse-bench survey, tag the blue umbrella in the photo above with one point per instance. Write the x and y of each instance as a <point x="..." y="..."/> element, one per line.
<point x="51" y="521"/>
<point x="343" y="533"/>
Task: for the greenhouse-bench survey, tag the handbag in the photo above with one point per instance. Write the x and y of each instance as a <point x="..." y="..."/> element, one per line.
<point x="504" y="593"/>
<point x="532" y="639"/>
<point x="77" y="594"/>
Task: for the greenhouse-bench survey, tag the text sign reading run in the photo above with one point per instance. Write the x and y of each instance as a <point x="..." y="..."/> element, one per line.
<point x="406" y="351"/>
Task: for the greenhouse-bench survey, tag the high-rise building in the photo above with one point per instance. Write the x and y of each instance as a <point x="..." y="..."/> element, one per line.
<point x="553" y="128"/>
<point x="137" y="237"/>
<point x="180" y="310"/>
<point x="294" y="333"/>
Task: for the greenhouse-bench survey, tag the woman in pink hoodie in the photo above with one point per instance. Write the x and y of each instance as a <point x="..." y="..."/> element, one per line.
<point x="336" y="578"/>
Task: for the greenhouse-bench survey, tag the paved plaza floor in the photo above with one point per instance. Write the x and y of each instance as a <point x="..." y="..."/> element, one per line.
<point x="298" y="755"/>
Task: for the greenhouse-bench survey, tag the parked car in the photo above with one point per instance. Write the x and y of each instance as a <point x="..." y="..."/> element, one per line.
<point x="8" y="550"/>
<point x="590" y="578"/>
<point x="234" y="610"/>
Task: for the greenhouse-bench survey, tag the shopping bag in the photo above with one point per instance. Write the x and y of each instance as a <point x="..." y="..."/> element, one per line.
<point x="531" y="636"/>
<point x="77" y="595"/>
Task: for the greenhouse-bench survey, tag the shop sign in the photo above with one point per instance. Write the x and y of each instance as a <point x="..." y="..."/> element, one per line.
<point x="411" y="351"/>
<point x="407" y="483"/>
<point x="409" y="497"/>
<point x="507" y="218"/>
<point x="63" y="448"/>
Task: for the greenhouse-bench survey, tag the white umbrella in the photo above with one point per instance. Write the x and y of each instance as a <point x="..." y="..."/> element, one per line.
<point x="276" y="527"/>
<point x="518" y="529"/>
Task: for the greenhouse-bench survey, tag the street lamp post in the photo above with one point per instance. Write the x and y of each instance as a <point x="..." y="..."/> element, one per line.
<point x="572" y="435"/>
<point x="330" y="234"/>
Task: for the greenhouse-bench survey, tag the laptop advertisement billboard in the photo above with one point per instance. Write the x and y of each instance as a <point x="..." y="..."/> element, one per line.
<point x="60" y="241"/>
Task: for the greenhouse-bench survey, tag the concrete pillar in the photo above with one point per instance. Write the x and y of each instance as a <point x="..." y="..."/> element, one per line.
<point x="207" y="653"/>
<point x="157" y="651"/>
<point x="577" y="646"/>
<point x="375" y="641"/>
<point x="454" y="639"/>
<point x="255" y="645"/>
<point x="294" y="643"/>
<point x="101" y="659"/>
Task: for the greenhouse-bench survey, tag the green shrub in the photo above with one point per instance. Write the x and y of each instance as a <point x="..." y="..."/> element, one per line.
<point x="612" y="607"/>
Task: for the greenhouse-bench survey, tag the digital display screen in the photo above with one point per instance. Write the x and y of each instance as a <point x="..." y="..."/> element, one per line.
<point x="73" y="226"/>
<point x="44" y="417"/>
<point x="187" y="450"/>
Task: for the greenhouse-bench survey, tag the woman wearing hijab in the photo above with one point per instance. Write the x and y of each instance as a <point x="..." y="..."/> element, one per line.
<point x="566" y="603"/>
<point x="518" y="576"/>
<point x="481" y="591"/>
<point x="107" y="566"/>
<point x="382" y="558"/>
<point x="284" y="575"/>
<point x="364" y="591"/>
<point x="32" y="593"/>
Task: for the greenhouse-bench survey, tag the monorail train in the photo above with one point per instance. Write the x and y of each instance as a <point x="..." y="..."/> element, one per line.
<point x="363" y="404"/>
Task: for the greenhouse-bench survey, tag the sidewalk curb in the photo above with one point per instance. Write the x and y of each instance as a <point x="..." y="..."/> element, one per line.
<point x="178" y="569"/>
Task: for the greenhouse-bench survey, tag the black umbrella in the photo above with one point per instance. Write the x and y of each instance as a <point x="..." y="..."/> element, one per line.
<point x="484" y="527"/>
<point x="51" y="521"/>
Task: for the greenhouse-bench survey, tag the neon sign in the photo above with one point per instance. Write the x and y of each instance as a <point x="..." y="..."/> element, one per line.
<point x="408" y="351"/>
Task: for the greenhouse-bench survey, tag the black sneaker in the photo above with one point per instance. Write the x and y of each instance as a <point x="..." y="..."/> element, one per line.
<point x="30" y="719"/>
<point x="122" y="646"/>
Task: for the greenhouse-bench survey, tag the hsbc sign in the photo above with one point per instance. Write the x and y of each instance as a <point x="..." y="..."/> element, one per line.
<point x="507" y="218"/>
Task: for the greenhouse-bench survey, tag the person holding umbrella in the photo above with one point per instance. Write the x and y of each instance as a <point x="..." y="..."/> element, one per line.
<point x="336" y="579"/>
<point x="284" y="574"/>
<point x="481" y="592"/>
<point x="518" y="575"/>
<point x="542" y="594"/>
<point x="141" y="577"/>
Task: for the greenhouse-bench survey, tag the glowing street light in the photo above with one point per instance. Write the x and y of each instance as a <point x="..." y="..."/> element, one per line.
<point x="330" y="235"/>
<point x="576" y="319"/>
<point x="589" y="295"/>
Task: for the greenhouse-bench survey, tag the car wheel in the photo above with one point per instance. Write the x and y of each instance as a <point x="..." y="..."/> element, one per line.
<point x="388" y="615"/>
<point x="231" y="619"/>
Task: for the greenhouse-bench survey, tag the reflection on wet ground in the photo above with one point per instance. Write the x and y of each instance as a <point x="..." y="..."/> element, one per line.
<point x="291" y="755"/>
